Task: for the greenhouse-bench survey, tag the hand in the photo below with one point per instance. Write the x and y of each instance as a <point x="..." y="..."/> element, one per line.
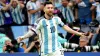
<point x="70" y="4"/>
<point x="19" y="39"/>
<point x="82" y="34"/>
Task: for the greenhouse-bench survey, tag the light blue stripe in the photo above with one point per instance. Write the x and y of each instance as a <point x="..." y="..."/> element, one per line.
<point x="45" y="37"/>
<point x="53" y="35"/>
<point x="0" y="20"/>
<point x="20" y="17"/>
<point x="15" y="16"/>
<point x="33" y="18"/>
<point x="70" y="16"/>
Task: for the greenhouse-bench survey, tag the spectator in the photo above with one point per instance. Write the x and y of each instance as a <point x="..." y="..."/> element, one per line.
<point x="57" y="3"/>
<point x="6" y="13"/>
<point x="84" y="47"/>
<point x="16" y="11"/>
<point x="83" y="11"/>
<point x="66" y="11"/>
<point x="33" y="10"/>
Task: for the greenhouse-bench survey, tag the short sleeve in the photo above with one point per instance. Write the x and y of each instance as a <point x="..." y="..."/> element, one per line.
<point x="59" y="22"/>
<point x="29" y="6"/>
<point x="37" y="26"/>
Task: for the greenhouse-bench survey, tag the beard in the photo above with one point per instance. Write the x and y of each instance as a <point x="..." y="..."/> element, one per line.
<point x="50" y="14"/>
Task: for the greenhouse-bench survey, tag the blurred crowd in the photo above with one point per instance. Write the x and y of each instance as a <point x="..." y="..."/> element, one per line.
<point x="17" y="12"/>
<point x="74" y="13"/>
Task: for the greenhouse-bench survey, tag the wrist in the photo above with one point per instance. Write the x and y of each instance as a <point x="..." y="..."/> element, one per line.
<point x="79" y="34"/>
<point x="23" y="37"/>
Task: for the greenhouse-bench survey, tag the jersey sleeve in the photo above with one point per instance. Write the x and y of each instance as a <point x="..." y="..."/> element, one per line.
<point x="36" y="27"/>
<point x="59" y="22"/>
<point x="29" y="6"/>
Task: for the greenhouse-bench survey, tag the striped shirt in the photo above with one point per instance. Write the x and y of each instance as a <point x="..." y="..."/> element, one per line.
<point x="17" y="14"/>
<point x="67" y="14"/>
<point x="1" y="17"/>
<point x="48" y="34"/>
<point x="33" y="6"/>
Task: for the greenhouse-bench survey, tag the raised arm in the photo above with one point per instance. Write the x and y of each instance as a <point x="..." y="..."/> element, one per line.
<point x="21" y="5"/>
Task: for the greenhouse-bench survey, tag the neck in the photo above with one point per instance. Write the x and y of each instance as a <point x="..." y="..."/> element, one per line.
<point x="48" y="17"/>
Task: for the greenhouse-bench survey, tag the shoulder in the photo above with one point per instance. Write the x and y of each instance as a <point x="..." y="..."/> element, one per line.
<point x="39" y="19"/>
<point x="56" y="17"/>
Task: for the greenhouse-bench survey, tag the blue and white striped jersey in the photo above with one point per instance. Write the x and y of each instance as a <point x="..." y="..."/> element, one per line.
<point x="67" y="13"/>
<point x="33" y="6"/>
<point x="48" y="33"/>
<point x="17" y="14"/>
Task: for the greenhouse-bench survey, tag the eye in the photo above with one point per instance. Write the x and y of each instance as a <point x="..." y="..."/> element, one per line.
<point x="51" y="7"/>
<point x="48" y="7"/>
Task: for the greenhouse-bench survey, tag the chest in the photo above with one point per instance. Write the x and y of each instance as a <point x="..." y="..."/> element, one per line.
<point x="50" y="25"/>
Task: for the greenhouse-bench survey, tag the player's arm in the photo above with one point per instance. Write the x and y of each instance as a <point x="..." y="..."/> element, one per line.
<point x="68" y="29"/>
<point x="27" y="35"/>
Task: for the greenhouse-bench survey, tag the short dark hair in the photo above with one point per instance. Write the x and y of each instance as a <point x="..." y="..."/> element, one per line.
<point x="47" y="2"/>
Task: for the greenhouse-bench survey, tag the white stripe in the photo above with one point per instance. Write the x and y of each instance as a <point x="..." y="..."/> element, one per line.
<point x="42" y="40"/>
<point x="67" y="16"/>
<point x="72" y="17"/>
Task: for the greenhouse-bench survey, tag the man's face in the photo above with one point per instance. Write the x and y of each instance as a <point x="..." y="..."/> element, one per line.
<point x="82" y="43"/>
<point x="64" y="3"/>
<point x="14" y="4"/>
<point x="49" y="9"/>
